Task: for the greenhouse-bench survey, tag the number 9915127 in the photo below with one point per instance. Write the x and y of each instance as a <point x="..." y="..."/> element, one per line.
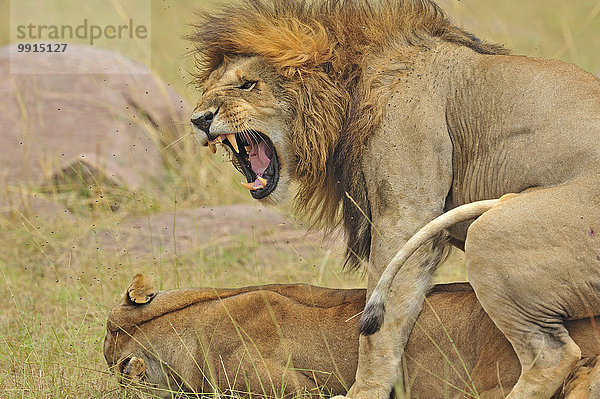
<point x="41" y="47"/>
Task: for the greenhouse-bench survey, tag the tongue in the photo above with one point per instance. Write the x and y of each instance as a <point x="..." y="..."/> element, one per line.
<point x="259" y="158"/>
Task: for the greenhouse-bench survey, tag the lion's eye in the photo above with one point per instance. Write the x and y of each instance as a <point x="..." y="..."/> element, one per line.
<point x="247" y="85"/>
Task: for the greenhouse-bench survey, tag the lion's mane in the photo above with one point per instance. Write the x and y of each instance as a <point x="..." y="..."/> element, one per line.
<point x="321" y="48"/>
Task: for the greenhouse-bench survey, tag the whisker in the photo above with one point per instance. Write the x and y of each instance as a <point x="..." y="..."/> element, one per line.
<point x="248" y="138"/>
<point x="244" y="131"/>
<point x="179" y="154"/>
<point x="177" y="141"/>
<point x="259" y="137"/>
<point x="252" y="134"/>
<point x="239" y="123"/>
<point x="171" y="124"/>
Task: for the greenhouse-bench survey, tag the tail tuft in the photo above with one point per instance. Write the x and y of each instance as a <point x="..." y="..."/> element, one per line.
<point x="372" y="318"/>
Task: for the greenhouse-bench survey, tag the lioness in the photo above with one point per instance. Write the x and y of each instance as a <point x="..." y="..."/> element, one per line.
<point x="281" y="339"/>
<point x="387" y="115"/>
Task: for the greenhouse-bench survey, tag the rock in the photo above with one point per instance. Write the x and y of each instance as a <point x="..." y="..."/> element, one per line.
<point x="106" y="128"/>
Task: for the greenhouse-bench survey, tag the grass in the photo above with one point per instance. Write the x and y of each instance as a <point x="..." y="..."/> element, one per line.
<point x="60" y="275"/>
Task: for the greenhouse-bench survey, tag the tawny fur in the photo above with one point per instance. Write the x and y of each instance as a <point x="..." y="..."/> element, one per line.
<point x="387" y="116"/>
<point x="584" y="380"/>
<point x="140" y="291"/>
<point x="374" y="313"/>
<point x="454" y="348"/>
<point x="322" y="48"/>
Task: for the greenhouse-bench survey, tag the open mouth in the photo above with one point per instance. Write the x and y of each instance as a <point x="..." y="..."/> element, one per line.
<point x="255" y="157"/>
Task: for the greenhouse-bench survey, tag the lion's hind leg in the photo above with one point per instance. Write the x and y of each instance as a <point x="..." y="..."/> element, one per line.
<point x="532" y="262"/>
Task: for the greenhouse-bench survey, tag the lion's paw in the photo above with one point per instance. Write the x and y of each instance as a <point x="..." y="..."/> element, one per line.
<point x="140" y="291"/>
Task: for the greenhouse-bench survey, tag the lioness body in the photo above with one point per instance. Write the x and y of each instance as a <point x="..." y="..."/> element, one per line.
<point x="264" y="340"/>
<point x="399" y="116"/>
<point x="313" y="343"/>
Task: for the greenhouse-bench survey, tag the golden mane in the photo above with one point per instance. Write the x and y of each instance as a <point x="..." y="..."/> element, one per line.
<point x="320" y="48"/>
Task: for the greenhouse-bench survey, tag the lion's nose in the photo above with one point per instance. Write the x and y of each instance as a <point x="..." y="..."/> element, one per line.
<point x="203" y="122"/>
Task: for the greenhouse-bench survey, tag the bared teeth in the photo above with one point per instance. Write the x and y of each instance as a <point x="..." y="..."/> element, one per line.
<point x="218" y="139"/>
<point x="213" y="147"/>
<point x="253" y="186"/>
<point x="231" y="138"/>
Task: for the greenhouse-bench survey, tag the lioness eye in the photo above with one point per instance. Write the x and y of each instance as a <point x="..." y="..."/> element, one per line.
<point x="247" y="85"/>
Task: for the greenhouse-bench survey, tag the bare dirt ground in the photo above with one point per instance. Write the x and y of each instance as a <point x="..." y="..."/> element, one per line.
<point x="177" y="233"/>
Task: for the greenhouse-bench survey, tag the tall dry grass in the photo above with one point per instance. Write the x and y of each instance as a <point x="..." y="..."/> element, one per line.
<point x="60" y="275"/>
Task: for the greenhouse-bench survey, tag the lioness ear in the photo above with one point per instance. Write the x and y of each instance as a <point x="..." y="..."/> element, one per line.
<point x="140" y="291"/>
<point x="132" y="369"/>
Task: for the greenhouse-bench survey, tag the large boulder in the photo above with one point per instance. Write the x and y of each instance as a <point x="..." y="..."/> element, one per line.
<point x="105" y="128"/>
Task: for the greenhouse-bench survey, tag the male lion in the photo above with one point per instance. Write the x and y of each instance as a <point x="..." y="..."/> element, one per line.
<point x="277" y="340"/>
<point x="386" y="115"/>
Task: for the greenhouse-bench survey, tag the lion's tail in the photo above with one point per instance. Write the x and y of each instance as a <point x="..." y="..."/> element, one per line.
<point x="372" y="317"/>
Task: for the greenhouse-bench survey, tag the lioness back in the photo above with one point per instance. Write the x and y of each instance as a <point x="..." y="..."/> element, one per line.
<point x="290" y="338"/>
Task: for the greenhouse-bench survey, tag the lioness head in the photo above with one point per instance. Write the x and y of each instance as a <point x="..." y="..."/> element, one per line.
<point x="188" y="340"/>
<point x="133" y="359"/>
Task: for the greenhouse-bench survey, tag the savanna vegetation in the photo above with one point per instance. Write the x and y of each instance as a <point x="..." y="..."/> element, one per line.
<point x="61" y="272"/>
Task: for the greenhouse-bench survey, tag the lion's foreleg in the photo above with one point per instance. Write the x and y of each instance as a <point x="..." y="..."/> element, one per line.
<point x="373" y="316"/>
<point x="380" y="353"/>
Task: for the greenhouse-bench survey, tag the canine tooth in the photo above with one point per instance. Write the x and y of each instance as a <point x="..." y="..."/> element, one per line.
<point x="218" y="139"/>
<point x="249" y="186"/>
<point x="231" y="138"/>
<point x="263" y="181"/>
<point x="213" y="147"/>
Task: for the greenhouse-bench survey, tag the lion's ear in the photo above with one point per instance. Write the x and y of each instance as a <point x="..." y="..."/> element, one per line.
<point x="140" y="291"/>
